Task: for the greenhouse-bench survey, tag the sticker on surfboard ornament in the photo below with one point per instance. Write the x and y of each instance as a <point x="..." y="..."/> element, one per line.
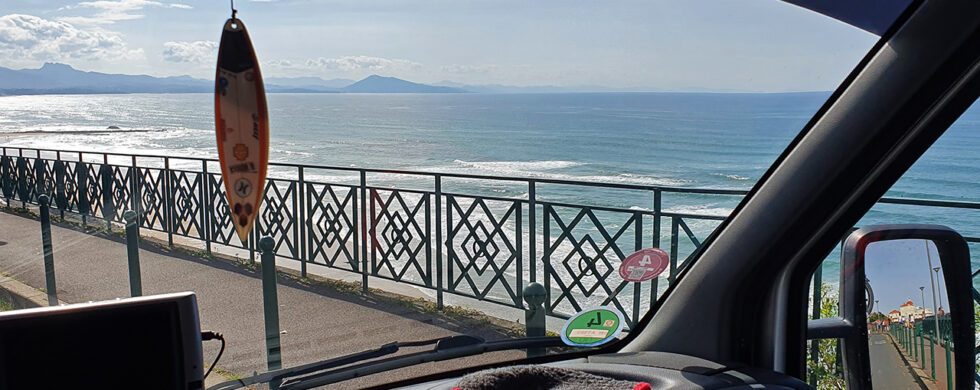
<point x="592" y="327"/>
<point x="643" y="265"/>
<point x="242" y="125"/>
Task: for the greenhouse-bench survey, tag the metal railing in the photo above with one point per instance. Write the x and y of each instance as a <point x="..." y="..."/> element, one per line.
<point x="492" y="246"/>
<point x="406" y="226"/>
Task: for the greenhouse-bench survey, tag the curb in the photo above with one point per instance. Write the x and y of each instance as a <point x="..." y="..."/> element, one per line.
<point x="22" y="296"/>
<point x="908" y="365"/>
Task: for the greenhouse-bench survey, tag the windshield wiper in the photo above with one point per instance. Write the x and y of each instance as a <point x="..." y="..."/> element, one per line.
<point x="316" y="374"/>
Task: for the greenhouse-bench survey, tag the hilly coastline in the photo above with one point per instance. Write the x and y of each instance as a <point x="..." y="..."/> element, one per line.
<point x="53" y="78"/>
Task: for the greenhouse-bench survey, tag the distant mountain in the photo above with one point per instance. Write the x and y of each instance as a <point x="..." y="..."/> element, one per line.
<point x="54" y="78"/>
<point x="308" y="82"/>
<point x="498" y="88"/>
<point x="379" y="84"/>
<point x="304" y="84"/>
<point x="61" y="78"/>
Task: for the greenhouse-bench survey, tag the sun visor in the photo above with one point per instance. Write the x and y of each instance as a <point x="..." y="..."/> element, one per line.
<point x="874" y="16"/>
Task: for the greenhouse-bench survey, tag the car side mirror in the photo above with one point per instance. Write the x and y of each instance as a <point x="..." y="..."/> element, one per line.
<point x="906" y="309"/>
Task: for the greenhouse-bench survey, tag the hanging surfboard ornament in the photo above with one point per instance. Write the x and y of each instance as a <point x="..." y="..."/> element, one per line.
<point x="242" y="121"/>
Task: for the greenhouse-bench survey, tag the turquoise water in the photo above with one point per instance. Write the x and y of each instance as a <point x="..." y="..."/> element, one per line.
<point x="678" y="140"/>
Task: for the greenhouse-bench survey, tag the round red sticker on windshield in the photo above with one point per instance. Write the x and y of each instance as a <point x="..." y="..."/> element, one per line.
<point x="644" y="265"/>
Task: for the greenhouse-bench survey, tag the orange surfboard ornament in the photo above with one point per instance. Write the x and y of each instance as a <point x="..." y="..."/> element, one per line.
<point x="242" y="121"/>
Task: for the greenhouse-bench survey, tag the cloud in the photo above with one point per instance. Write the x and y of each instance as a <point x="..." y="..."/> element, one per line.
<point x="469" y="68"/>
<point x="110" y="12"/>
<point x="354" y="63"/>
<point x="193" y="52"/>
<point x="34" y="38"/>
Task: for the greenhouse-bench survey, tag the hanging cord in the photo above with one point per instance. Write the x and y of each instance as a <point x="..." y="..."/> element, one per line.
<point x="233" y="10"/>
<point x="209" y="335"/>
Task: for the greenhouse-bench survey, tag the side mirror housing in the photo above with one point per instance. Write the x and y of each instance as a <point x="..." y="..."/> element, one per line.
<point x="906" y="321"/>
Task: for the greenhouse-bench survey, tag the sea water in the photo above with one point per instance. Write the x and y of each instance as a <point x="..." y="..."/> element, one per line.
<point x="686" y="140"/>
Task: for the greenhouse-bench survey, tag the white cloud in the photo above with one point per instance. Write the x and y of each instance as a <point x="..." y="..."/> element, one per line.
<point x="109" y="12"/>
<point x="193" y="52"/>
<point x="355" y="63"/>
<point x="29" y="38"/>
<point x="469" y="68"/>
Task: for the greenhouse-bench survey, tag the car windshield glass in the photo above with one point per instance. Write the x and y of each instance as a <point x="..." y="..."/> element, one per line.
<point x="491" y="169"/>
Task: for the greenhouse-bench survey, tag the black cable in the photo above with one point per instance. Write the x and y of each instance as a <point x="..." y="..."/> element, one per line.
<point x="209" y="335"/>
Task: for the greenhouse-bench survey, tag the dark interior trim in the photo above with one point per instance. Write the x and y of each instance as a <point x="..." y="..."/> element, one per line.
<point x="896" y="107"/>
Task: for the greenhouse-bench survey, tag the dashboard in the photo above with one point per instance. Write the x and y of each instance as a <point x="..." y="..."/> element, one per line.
<point x="637" y="370"/>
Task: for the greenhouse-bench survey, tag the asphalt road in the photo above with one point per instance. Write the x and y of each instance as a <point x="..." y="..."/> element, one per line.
<point x="317" y="323"/>
<point x="888" y="370"/>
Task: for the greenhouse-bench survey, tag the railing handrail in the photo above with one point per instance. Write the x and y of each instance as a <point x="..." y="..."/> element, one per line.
<point x="539" y="180"/>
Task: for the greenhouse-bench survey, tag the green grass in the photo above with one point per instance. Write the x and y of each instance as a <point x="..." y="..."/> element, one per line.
<point x="6" y="306"/>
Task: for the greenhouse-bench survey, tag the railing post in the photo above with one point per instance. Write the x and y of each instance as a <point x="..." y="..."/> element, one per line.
<point x="168" y="202"/>
<point x="534" y="315"/>
<point x="673" y="251"/>
<point x="546" y="259"/>
<point x="22" y="191"/>
<point x="270" y="303"/>
<point x="932" y="357"/>
<point x="915" y="346"/>
<point x="134" y="177"/>
<point x="532" y="230"/>
<point x="39" y="175"/>
<point x="364" y="228"/>
<point x="922" y="348"/>
<point x="48" y="251"/>
<point x="81" y="191"/>
<point x="6" y="183"/>
<point x="657" y="209"/>
<point x="60" y="198"/>
<point x="438" y="185"/>
<point x="133" y="252"/>
<point x="638" y="245"/>
<point x="108" y="201"/>
<point x="949" y="367"/>
<point x="206" y="205"/>
<point x="302" y="223"/>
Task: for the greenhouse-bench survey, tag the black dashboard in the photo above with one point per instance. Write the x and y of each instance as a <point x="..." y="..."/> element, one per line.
<point x="661" y="370"/>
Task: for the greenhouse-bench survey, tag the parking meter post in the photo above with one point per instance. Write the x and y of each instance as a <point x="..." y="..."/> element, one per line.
<point x="534" y="315"/>
<point x="133" y="252"/>
<point x="48" y="251"/>
<point x="270" y="301"/>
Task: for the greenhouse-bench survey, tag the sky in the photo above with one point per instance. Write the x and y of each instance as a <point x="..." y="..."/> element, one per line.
<point x="660" y="45"/>
<point x="897" y="269"/>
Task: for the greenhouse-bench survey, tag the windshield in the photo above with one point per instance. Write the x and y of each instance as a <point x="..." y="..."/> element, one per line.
<point x="498" y="170"/>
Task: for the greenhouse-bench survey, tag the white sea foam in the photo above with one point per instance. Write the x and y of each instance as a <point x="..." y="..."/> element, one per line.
<point x="732" y="176"/>
<point x="517" y="167"/>
<point x="545" y="170"/>
<point x="701" y="210"/>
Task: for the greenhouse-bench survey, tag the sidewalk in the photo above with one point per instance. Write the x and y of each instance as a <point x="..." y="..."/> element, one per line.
<point x="922" y="365"/>
<point x="317" y="321"/>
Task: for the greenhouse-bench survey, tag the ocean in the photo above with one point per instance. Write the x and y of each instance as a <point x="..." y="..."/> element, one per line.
<point x="687" y="140"/>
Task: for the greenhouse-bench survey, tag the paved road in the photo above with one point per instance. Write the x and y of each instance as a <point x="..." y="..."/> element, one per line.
<point x="318" y="323"/>
<point x="888" y="370"/>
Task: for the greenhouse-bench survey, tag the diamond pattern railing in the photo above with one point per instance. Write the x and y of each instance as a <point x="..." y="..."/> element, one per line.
<point x="332" y="225"/>
<point x="399" y="231"/>
<point x="479" y="240"/>
<point x="463" y="244"/>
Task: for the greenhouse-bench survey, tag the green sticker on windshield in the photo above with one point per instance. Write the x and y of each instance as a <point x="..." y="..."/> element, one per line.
<point x="592" y="327"/>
